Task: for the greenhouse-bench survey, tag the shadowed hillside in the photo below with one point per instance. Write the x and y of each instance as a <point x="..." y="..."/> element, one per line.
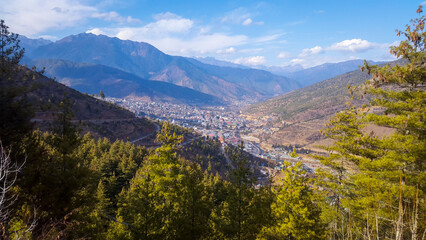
<point x="101" y="118"/>
<point x="91" y="78"/>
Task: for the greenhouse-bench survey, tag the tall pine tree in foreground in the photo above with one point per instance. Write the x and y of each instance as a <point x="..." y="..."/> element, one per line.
<point x="381" y="190"/>
<point x="15" y="109"/>
<point x="167" y="199"/>
<point x="296" y="214"/>
<point x="245" y="209"/>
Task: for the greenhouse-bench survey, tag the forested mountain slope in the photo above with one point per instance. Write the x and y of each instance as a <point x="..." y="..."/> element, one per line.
<point x="101" y="118"/>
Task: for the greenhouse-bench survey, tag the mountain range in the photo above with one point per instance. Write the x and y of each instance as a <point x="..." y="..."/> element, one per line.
<point x="309" y="76"/>
<point x="148" y="63"/>
<point x="325" y="71"/>
<point x="91" y="78"/>
<point x="304" y="76"/>
<point x="300" y="114"/>
<point x="122" y="68"/>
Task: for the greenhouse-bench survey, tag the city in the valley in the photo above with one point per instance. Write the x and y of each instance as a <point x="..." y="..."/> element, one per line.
<point x="223" y="123"/>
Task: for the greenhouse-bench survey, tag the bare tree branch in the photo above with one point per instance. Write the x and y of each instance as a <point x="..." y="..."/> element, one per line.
<point x="9" y="170"/>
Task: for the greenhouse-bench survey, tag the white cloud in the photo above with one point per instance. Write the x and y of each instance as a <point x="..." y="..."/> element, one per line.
<point x="283" y="55"/>
<point x="380" y="52"/>
<point x="251" y="50"/>
<point x="247" y="22"/>
<point x="126" y="34"/>
<point x="161" y="28"/>
<point x="108" y="16"/>
<point x="295" y="23"/>
<point x="176" y="35"/>
<point x="343" y="51"/>
<point x="114" y="16"/>
<point x="33" y="17"/>
<point x="205" y="29"/>
<point x="96" y="31"/>
<point x="269" y="38"/>
<point x="230" y="50"/>
<point x="315" y="60"/>
<point x="311" y="51"/>
<point x="353" y="45"/>
<point x="168" y="25"/>
<point x="240" y="16"/>
<point x="199" y="44"/>
<point x="166" y="15"/>
<point x="167" y="31"/>
<point x="48" y="37"/>
<point x="129" y="19"/>
<point x="172" y="44"/>
<point x="297" y="61"/>
<point x="236" y="16"/>
<point x="251" y="61"/>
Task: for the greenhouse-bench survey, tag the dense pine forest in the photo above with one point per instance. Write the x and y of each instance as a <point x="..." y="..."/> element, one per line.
<point x="60" y="184"/>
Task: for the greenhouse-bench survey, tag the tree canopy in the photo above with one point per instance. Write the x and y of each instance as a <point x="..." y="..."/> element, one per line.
<point x="77" y="187"/>
<point x="380" y="189"/>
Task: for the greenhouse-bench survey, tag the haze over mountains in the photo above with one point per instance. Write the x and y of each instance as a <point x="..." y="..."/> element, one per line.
<point x="304" y="76"/>
<point x="146" y="62"/>
<point x="91" y="78"/>
<point x="31" y="44"/>
<point x="122" y="68"/>
<point x="300" y="114"/>
<point x="322" y="72"/>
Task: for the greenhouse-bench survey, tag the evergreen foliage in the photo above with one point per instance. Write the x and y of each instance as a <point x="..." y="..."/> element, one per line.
<point x="11" y="52"/>
<point x="296" y="215"/>
<point x="245" y="210"/>
<point x="15" y="110"/>
<point x="372" y="187"/>
<point x="376" y="183"/>
<point x="101" y="94"/>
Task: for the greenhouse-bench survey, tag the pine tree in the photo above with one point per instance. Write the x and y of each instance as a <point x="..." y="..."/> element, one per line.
<point x="55" y="180"/>
<point x="344" y="128"/>
<point x="194" y="203"/>
<point x="119" y="230"/>
<point x="245" y="210"/>
<point x="11" y="52"/>
<point x="385" y="188"/>
<point x="167" y="198"/>
<point x="15" y="110"/>
<point x="143" y="207"/>
<point x="296" y="214"/>
<point x="101" y="94"/>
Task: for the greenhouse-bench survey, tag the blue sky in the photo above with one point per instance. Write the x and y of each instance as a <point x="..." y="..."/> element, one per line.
<point x="272" y="33"/>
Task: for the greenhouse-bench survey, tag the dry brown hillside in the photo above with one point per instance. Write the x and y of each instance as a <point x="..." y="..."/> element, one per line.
<point x="299" y="115"/>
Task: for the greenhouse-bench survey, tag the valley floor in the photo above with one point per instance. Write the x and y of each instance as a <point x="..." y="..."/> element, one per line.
<point x="226" y="124"/>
